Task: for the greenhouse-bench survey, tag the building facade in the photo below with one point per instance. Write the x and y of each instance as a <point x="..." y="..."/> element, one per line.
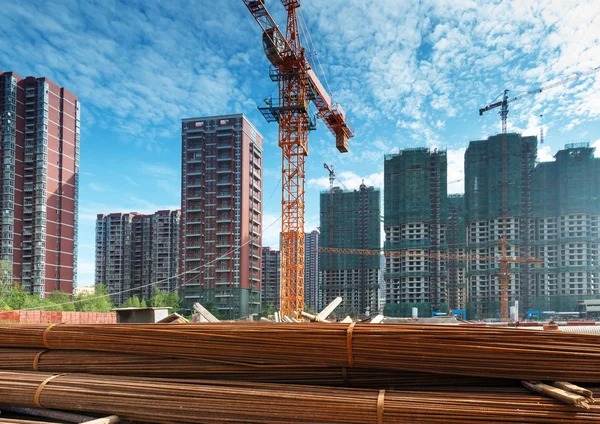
<point x="221" y="202"/>
<point x="39" y="145"/>
<point x="415" y="224"/>
<point x="566" y="229"/>
<point x="311" y="270"/>
<point x="137" y="253"/>
<point x="271" y="278"/>
<point x="485" y="211"/>
<point x="350" y="219"/>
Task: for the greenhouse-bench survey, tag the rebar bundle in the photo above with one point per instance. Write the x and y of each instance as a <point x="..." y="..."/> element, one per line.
<point x="218" y="402"/>
<point x="481" y="351"/>
<point x="124" y="364"/>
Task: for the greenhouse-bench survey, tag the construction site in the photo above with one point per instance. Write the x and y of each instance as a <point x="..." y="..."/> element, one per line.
<point x="484" y="293"/>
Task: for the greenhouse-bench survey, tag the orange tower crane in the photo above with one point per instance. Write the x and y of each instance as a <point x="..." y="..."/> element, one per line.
<point x="504" y="260"/>
<point x="298" y="86"/>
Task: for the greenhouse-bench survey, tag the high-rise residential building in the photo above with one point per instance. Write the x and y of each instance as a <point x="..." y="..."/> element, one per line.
<point x="488" y="218"/>
<point x="350" y="219"/>
<point x="113" y="254"/>
<point x="456" y="237"/>
<point x="165" y="251"/>
<point x="415" y="223"/>
<point x="566" y="229"/>
<point x="221" y="202"/>
<point x="39" y="137"/>
<point x="311" y="270"/>
<point x="137" y="253"/>
<point x="271" y="278"/>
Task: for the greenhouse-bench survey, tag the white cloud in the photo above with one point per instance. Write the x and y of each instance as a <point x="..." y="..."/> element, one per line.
<point x="456" y="173"/>
<point x="545" y="154"/>
<point x="130" y="180"/>
<point x="596" y="144"/>
<point x="97" y="187"/>
<point x="158" y="170"/>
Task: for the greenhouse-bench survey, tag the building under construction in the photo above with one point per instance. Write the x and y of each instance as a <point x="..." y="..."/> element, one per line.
<point x="489" y="216"/>
<point x="350" y="219"/>
<point x="415" y="222"/>
<point x="566" y="229"/>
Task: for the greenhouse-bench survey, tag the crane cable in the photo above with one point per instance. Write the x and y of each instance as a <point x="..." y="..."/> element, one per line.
<point x="314" y="50"/>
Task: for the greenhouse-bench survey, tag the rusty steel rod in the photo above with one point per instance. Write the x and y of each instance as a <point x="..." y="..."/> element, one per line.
<point x="470" y="351"/>
<point x="124" y="364"/>
<point x="209" y="402"/>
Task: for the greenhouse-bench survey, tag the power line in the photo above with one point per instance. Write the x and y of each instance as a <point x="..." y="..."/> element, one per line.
<point x="170" y="278"/>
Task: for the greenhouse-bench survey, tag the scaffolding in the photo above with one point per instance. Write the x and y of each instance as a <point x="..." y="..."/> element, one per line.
<point x="483" y="175"/>
<point x="356" y="222"/>
<point x="416" y="212"/>
<point x="407" y="186"/>
<point x="456" y="236"/>
<point x="498" y="203"/>
<point x="435" y="282"/>
<point x="525" y="223"/>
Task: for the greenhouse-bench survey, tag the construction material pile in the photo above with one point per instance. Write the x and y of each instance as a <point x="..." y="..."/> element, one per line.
<point x="279" y="373"/>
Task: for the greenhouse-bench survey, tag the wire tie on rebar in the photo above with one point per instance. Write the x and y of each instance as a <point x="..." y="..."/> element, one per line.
<point x="36" y="360"/>
<point x="380" y="399"/>
<point x="345" y="376"/>
<point x="45" y="335"/>
<point x="349" y="344"/>
<point x="38" y="392"/>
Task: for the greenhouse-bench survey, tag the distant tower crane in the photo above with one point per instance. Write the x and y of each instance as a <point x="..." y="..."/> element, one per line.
<point x="298" y="86"/>
<point x="331" y="175"/>
<point x="504" y="260"/>
<point x="503" y="104"/>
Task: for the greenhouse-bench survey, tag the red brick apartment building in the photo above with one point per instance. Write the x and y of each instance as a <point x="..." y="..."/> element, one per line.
<point x="39" y="149"/>
<point x="221" y="214"/>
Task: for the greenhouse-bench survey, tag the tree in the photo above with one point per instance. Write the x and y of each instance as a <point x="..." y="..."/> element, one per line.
<point x="99" y="301"/>
<point x="162" y="298"/>
<point x="60" y="301"/>
<point x="132" y="302"/>
<point x="5" y="278"/>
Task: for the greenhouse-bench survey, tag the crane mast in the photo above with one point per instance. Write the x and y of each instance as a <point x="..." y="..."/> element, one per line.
<point x="298" y="85"/>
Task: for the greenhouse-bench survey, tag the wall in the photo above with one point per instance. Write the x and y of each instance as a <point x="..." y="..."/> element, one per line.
<point x="56" y="317"/>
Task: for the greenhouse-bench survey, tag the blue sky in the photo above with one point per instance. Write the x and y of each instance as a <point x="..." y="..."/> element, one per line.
<point x="409" y="74"/>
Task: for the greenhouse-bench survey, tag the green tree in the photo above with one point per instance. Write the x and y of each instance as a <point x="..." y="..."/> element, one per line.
<point x="162" y="298"/>
<point x="59" y="301"/>
<point x="132" y="302"/>
<point x="99" y="301"/>
<point x="5" y="279"/>
<point x="19" y="299"/>
<point x="267" y="310"/>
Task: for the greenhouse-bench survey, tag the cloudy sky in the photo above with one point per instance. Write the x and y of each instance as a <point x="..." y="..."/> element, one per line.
<point x="409" y="73"/>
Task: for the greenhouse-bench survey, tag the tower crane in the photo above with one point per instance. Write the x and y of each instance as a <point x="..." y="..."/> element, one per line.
<point x="503" y="104"/>
<point x="504" y="260"/>
<point x="298" y="86"/>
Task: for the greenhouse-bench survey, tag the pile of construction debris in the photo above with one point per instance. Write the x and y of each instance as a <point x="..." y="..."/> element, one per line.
<point x="309" y="372"/>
